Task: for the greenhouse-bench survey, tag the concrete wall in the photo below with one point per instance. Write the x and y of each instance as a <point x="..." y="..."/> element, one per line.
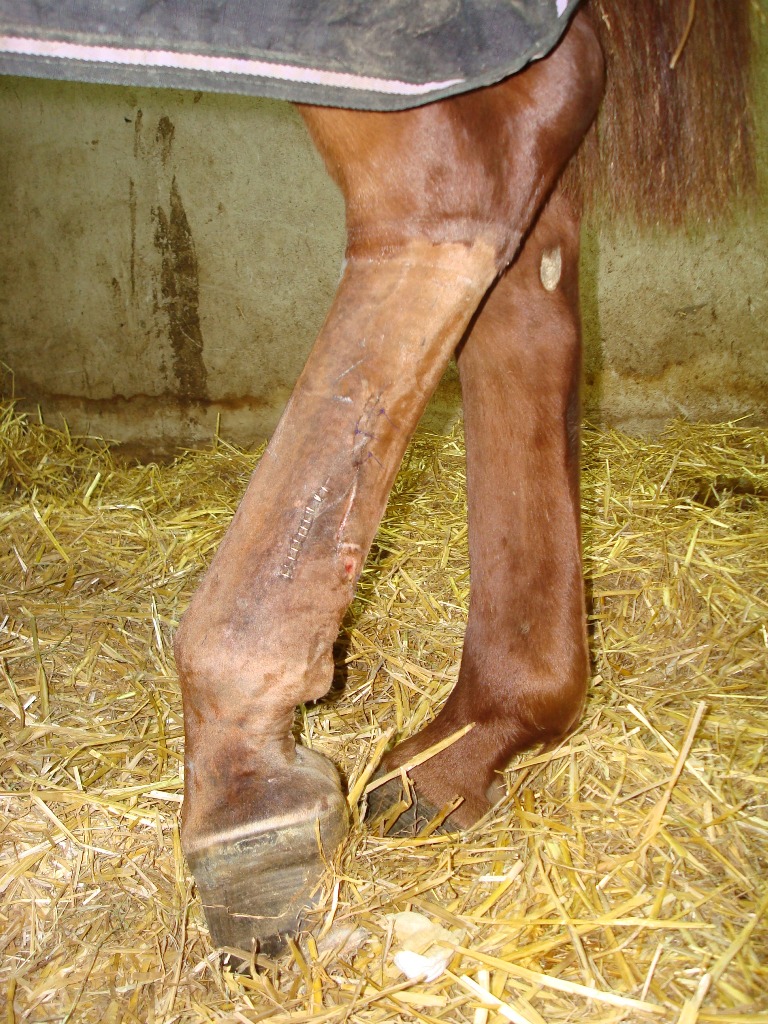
<point x="166" y="259"/>
<point x="676" y="325"/>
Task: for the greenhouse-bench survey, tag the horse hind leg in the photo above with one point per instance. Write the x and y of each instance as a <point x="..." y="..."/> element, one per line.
<point x="524" y="668"/>
<point x="257" y="639"/>
<point x="437" y="202"/>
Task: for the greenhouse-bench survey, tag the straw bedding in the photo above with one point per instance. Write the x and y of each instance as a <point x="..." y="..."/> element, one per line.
<point x="624" y="877"/>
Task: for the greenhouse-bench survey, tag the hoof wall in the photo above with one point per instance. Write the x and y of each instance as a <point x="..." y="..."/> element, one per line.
<point x="257" y="882"/>
<point x="393" y="812"/>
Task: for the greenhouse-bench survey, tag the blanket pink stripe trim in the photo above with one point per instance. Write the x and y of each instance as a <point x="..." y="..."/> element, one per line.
<point x="223" y="65"/>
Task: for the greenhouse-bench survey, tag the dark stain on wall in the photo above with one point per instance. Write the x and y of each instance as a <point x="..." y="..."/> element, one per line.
<point x="137" y="122"/>
<point x="180" y="291"/>
<point x="132" y="210"/>
<point x="165" y="133"/>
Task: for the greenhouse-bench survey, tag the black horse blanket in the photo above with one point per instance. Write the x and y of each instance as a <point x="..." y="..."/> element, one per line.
<point x="369" y="54"/>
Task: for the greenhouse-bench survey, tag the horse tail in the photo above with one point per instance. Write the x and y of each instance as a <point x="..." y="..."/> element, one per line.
<point x="674" y="139"/>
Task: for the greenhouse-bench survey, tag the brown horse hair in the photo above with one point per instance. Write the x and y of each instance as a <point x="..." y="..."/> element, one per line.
<point x="671" y="143"/>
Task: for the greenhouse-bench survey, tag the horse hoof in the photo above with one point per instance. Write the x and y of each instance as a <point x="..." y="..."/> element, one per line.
<point x="393" y="812"/>
<point x="257" y="882"/>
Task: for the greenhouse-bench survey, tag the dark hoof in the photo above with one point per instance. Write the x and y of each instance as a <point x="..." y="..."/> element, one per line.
<point x="258" y="881"/>
<point x="394" y="812"/>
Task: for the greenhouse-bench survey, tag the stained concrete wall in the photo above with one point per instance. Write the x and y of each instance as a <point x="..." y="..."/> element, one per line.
<point x="676" y="324"/>
<point x="166" y="259"/>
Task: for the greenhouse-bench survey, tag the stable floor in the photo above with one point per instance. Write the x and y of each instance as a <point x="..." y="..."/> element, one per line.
<point x="623" y="878"/>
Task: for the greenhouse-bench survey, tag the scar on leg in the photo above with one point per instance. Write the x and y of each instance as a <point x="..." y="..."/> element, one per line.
<point x="301" y="534"/>
<point x="351" y="554"/>
<point x="551" y="268"/>
<point x="365" y="430"/>
<point x="351" y="559"/>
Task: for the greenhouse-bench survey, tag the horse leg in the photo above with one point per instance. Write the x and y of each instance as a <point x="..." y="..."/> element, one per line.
<point x="437" y="202"/>
<point x="524" y="667"/>
<point x="260" y="813"/>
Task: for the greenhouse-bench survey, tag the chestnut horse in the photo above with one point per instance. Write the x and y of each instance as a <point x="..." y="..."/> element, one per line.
<point x="463" y="220"/>
<point x="462" y="236"/>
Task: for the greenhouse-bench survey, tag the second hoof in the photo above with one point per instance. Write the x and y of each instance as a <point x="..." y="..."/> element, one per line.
<point x="394" y="812"/>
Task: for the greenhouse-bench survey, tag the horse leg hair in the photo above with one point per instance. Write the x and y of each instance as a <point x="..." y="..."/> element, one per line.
<point x="524" y="667"/>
